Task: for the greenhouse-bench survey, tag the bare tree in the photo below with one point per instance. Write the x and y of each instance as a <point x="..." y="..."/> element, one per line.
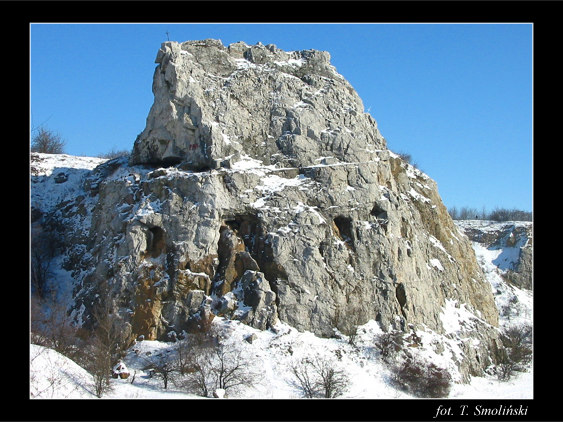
<point x="164" y="365"/>
<point x="319" y="377"/>
<point x="231" y="370"/>
<point x="214" y="365"/>
<point x="199" y="380"/>
<point x="305" y="379"/>
<point x="99" y="365"/>
<point x="42" y="252"/>
<point x="183" y="357"/>
<point x="52" y="325"/>
<point x="47" y="142"/>
<point x="105" y="343"/>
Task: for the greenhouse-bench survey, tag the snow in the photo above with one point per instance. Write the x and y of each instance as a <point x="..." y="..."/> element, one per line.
<point x="274" y="183"/>
<point x="247" y="163"/>
<point x="519" y="387"/>
<point x="120" y="368"/>
<point x="270" y="355"/>
<point x="291" y="62"/>
<point x="148" y="208"/>
<point x="514" y="304"/>
<point x="455" y="315"/>
<point x="436" y="264"/>
<point x="54" y="376"/>
<point x="507" y="257"/>
<point x="45" y="192"/>
<point x="244" y="64"/>
<point x="418" y="196"/>
<point x="48" y="163"/>
<point x="435" y="242"/>
<point x="226" y="139"/>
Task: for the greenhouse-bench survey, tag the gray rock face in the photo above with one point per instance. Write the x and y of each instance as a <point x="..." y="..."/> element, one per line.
<point x="215" y="104"/>
<point x="260" y="190"/>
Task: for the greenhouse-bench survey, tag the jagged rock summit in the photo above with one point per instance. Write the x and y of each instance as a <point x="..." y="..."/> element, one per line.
<point x="215" y="105"/>
<point x="260" y="190"/>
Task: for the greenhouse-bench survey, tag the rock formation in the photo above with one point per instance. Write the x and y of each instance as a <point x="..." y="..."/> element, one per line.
<point x="260" y="190"/>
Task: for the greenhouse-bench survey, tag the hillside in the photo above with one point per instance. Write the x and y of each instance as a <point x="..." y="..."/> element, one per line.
<point x="273" y="351"/>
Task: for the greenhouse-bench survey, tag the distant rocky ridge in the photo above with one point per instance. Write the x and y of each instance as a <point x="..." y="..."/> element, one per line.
<point x="261" y="191"/>
<point x="513" y="240"/>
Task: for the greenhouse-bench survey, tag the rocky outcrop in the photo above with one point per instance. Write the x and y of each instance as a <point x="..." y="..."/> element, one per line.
<point x="215" y="104"/>
<point x="260" y="190"/>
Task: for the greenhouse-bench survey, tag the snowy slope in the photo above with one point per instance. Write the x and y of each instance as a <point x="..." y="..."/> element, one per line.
<point x="54" y="376"/>
<point x="515" y="305"/>
<point x="44" y="168"/>
<point x="271" y="354"/>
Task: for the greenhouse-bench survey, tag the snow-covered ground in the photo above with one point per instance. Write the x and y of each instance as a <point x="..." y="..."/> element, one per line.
<point x="272" y="352"/>
<point x="269" y="357"/>
<point x="45" y="168"/>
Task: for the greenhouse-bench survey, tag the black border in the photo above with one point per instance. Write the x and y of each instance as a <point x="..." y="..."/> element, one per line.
<point x="544" y="15"/>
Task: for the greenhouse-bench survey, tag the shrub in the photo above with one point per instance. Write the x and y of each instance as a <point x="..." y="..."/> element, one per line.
<point x="407" y="158"/>
<point x="212" y="365"/>
<point x="389" y="343"/>
<point x="517" y="351"/>
<point x="318" y="377"/>
<point x="47" y="142"/>
<point x="114" y="153"/>
<point x="421" y="378"/>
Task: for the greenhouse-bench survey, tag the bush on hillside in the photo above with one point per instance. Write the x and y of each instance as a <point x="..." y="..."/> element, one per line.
<point x="317" y="377"/>
<point x="389" y="344"/>
<point x="516" y="353"/>
<point x="421" y="378"/>
<point x="47" y="142"/>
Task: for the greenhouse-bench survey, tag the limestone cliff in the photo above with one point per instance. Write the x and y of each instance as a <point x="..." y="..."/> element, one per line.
<point x="260" y="190"/>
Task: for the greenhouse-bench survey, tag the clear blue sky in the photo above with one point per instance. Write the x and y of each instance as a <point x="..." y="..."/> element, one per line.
<point x="457" y="97"/>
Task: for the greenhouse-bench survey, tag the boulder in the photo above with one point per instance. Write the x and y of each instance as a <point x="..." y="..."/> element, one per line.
<point x="61" y="177"/>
